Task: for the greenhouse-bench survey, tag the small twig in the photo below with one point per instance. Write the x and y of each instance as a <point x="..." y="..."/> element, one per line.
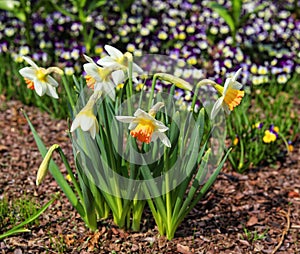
<point x="285" y="230"/>
<point x="295" y="226"/>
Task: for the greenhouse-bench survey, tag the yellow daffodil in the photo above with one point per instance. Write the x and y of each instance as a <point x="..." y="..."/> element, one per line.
<point x="103" y="79"/>
<point x="269" y="136"/>
<point x="39" y="79"/>
<point x="231" y="96"/>
<point x="86" y="118"/>
<point x="144" y="127"/>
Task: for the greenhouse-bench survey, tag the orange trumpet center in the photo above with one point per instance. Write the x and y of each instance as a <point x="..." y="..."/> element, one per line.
<point x="90" y="81"/>
<point x="29" y="83"/>
<point x="143" y="131"/>
<point x="233" y="97"/>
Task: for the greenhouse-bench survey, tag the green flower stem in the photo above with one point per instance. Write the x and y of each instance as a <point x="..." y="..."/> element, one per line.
<point x="130" y="77"/>
<point x="152" y="91"/>
<point x="70" y="172"/>
<point x="168" y="194"/>
<point x="241" y="161"/>
<point x="284" y="141"/>
<point x="137" y="211"/>
<point x="70" y="98"/>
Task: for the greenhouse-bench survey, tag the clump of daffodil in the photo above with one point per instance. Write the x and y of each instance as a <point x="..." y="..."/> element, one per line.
<point x="116" y="57"/>
<point x="39" y="79"/>
<point x="231" y="96"/>
<point x="103" y="79"/>
<point x="86" y="118"/>
<point x="144" y="127"/>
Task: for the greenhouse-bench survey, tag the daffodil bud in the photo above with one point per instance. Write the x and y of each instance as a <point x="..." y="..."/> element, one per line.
<point x="129" y="57"/>
<point x="206" y="82"/>
<point x="43" y="169"/>
<point x="155" y="108"/>
<point x="178" y="82"/>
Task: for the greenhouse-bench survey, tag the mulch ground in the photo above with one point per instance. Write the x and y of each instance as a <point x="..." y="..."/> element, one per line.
<point x="250" y="213"/>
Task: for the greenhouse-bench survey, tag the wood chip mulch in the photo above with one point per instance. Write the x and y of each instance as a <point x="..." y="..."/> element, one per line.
<point x="258" y="212"/>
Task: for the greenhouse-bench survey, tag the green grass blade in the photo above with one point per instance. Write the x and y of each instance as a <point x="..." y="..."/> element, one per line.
<point x="19" y="229"/>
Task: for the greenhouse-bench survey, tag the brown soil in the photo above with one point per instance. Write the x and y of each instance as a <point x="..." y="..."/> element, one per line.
<point x="261" y="202"/>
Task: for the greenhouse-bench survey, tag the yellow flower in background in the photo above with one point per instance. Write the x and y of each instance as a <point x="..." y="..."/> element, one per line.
<point x="235" y="141"/>
<point x="144" y="127"/>
<point x="86" y="118"/>
<point x="269" y="136"/>
<point x="290" y="146"/>
<point x="276" y="129"/>
<point x="231" y="96"/>
<point x="39" y="79"/>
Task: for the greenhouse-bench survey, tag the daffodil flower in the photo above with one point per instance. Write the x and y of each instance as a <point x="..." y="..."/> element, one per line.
<point x="103" y="79"/>
<point x="116" y="57"/>
<point x="144" y="127"/>
<point x="39" y="79"/>
<point x="231" y="96"/>
<point x="86" y="118"/>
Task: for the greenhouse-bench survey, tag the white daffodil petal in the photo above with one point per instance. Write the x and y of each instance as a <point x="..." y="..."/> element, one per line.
<point x="125" y="119"/>
<point x="226" y="108"/>
<point x="113" y="52"/>
<point x="136" y="68"/>
<point x="139" y="112"/>
<point x="39" y="87"/>
<point x="154" y="136"/>
<point x="163" y="137"/>
<point x="226" y="85"/>
<point x="93" y="130"/>
<point x="28" y="72"/>
<point x="86" y="123"/>
<point x="75" y="124"/>
<point x="160" y="126"/>
<point x="30" y="62"/>
<point x="236" y="85"/>
<point x="51" y="91"/>
<point x="52" y="81"/>
<point x="236" y="75"/>
<point x="91" y="69"/>
<point x="132" y="125"/>
<point x="216" y="108"/>
<point x="89" y="59"/>
<point x="106" y="61"/>
<point x="108" y="88"/>
<point x="118" y="77"/>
